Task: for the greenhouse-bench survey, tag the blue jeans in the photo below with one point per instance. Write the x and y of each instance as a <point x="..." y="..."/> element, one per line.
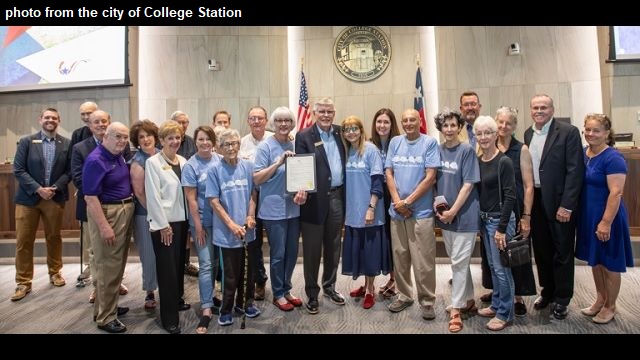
<point x="208" y="260"/>
<point x="283" y="238"/>
<point x="503" y="288"/>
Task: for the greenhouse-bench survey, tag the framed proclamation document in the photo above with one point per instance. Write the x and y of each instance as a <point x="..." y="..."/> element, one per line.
<point x="300" y="173"/>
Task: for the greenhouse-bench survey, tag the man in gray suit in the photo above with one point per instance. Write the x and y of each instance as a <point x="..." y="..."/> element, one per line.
<point x="41" y="168"/>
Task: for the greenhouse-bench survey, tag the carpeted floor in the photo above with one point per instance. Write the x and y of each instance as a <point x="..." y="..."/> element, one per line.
<point x="66" y="310"/>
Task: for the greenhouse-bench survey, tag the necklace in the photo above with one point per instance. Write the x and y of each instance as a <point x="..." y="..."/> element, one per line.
<point x="171" y="162"/>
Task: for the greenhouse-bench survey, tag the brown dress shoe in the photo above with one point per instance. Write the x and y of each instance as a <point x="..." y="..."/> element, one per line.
<point x="57" y="280"/>
<point x="21" y="292"/>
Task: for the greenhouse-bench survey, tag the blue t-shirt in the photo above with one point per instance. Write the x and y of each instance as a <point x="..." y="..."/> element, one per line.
<point x="459" y="166"/>
<point x="233" y="186"/>
<point x="275" y="203"/>
<point x="359" y="170"/>
<point x="194" y="174"/>
<point x="409" y="161"/>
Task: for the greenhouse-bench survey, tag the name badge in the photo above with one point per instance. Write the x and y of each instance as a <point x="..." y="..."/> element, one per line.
<point x="319" y="143"/>
<point x="166" y="167"/>
<point x="36" y="141"/>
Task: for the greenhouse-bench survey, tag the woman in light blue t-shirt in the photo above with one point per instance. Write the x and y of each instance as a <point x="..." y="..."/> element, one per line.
<point x="278" y="209"/>
<point x="366" y="248"/>
<point x="457" y="211"/>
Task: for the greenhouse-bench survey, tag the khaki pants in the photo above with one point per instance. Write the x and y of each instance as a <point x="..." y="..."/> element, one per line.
<point x="414" y="244"/>
<point x="110" y="261"/>
<point x="27" y="219"/>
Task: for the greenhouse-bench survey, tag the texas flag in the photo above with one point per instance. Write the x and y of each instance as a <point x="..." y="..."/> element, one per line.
<point x="418" y="102"/>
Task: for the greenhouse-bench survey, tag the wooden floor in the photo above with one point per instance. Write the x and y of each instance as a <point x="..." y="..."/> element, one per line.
<point x="66" y="310"/>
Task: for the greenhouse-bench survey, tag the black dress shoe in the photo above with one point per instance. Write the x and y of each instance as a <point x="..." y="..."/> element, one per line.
<point x="121" y="311"/>
<point x="173" y="329"/>
<point x="312" y="306"/>
<point x="334" y="296"/>
<point x="113" y="327"/>
<point x="541" y="303"/>
<point x="560" y="311"/>
<point x="184" y="306"/>
<point x="520" y="309"/>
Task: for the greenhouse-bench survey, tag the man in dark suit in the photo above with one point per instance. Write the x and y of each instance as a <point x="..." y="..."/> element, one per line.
<point x="558" y="168"/>
<point x="41" y="168"/>
<point x="83" y="132"/>
<point x="98" y="122"/>
<point x="322" y="216"/>
<point x="78" y="135"/>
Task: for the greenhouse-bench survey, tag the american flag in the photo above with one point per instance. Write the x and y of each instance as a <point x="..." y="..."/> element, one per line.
<point x="304" y="115"/>
<point x="418" y="102"/>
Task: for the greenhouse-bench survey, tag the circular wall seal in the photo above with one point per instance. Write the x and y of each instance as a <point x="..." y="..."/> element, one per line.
<point x="362" y="53"/>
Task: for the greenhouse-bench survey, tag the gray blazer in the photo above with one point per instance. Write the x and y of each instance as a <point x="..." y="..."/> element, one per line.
<point x="29" y="169"/>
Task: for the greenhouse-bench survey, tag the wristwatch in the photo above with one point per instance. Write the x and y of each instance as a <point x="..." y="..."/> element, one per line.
<point x="371" y="206"/>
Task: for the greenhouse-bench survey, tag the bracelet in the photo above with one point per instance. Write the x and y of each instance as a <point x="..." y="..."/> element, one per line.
<point x="371" y="206"/>
<point x="526" y="215"/>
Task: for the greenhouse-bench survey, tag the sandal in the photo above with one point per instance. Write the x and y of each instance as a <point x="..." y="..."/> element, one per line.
<point x="203" y="325"/>
<point x="390" y="284"/>
<point x="150" y="301"/>
<point x="390" y="292"/>
<point x="470" y="308"/>
<point x="496" y="324"/>
<point x="455" y="324"/>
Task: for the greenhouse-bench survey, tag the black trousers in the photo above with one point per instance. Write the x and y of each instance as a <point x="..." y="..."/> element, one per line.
<point x="553" y="247"/>
<point x="170" y="272"/>
<point x="233" y="274"/>
<point x="323" y="241"/>
<point x="259" y="272"/>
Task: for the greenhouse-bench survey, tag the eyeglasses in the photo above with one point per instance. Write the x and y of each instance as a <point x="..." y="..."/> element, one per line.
<point x="282" y="121"/>
<point x="484" y="134"/>
<point x="508" y="108"/>
<point x="230" y="144"/>
<point x="256" y="118"/>
<point x="469" y="104"/>
<point x="351" y="129"/>
<point x="326" y="112"/>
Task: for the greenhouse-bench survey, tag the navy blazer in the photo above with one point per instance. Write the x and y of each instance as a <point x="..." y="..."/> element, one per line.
<point x="29" y="169"/>
<point x="79" y="154"/>
<point x="308" y="141"/>
<point x="80" y="134"/>
<point x="561" y="167"/>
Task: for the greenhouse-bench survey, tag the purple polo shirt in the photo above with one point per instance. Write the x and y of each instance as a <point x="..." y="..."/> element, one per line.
<point x="106" y="176"/>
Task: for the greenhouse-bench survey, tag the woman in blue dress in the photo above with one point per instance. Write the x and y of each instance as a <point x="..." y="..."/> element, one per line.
<point x="383" y="129"/>
<point x="366" y="248"/>
<point x="603" y="229"/>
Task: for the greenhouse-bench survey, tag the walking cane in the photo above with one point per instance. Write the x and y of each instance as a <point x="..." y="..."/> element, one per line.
<point x="80" y="283"/>
<point x="244" y="281"/>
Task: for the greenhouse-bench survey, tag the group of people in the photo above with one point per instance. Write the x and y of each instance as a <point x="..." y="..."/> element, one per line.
<point x="223" y="190"/>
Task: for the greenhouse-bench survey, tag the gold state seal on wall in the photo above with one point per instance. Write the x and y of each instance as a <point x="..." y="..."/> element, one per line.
<point x="362" y="53"/>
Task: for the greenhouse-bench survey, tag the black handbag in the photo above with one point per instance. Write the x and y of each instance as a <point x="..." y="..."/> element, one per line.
<point x="516" y="252"/>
